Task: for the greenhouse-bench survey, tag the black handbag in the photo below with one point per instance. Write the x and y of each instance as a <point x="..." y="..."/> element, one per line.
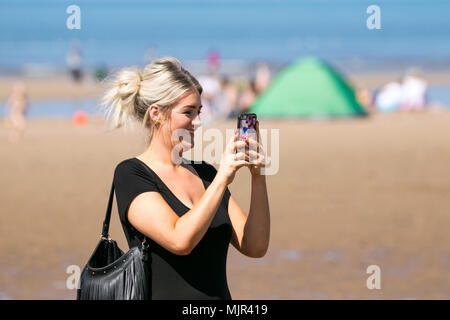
<point x="112" y="275"/>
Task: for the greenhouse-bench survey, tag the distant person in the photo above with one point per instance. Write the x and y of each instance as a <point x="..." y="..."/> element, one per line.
<point x="247" y="97"/>
<point x="213" y="61"/>
<point x="414" y="92"/>
<point x="226" y="100"/>
<point x="389" y="98"/>
<point x="185" y="209"/>
<point x="211" y="89"/>
<point x="73" y="60"/>
<point x="262" y="77"/>
<point x="365" y="98"/>
<point x="18" y="107"/>
<point x="101" y="72"/>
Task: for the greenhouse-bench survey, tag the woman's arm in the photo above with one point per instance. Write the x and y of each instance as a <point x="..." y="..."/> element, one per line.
<point x="150" y="214"/>
<point x="251" y="234"/>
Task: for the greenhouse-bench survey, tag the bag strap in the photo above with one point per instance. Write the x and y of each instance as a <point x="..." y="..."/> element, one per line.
<point x="105" y="230"/>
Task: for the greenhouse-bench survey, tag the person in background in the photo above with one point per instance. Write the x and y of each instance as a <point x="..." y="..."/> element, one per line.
<point x="18" y="107"/>
<point x="226" y="100"/>
<point x="213" y="61"/>
<point x="101" y="72"/>
<point x="389" y="98"/>
<point x="364" y="97"/>
<point x="256" y="86"/>
<point x="211" y="89"/>
<point x="247" y="97"/>
<point x="414" y="92"/>
<point x="73" y="60"/>
<point x="262" y="77"/>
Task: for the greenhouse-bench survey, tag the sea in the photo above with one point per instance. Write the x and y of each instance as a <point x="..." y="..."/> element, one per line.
<point x="353" y="33"/>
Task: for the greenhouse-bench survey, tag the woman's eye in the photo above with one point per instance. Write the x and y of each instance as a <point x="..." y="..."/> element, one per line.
<point x="189" y="112"/>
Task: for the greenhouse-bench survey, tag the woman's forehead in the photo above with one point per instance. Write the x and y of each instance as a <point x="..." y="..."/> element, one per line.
<point x="189" y="98"/>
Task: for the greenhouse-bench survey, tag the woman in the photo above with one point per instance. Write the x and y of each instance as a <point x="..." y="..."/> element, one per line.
<point x="186" y="209"/>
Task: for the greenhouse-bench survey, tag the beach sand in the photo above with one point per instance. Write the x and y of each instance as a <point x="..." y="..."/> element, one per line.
<point x="349" y="194"/>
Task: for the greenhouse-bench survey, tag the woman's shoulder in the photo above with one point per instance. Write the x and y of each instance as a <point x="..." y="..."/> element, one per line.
<point x="126" y="165"/>
<point x="132" y="167"/>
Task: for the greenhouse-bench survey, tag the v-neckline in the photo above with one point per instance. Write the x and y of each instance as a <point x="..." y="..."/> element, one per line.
<point x="165" y="185"/>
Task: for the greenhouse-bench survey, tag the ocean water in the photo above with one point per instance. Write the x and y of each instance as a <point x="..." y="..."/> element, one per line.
<point x="117" y="33"/>
<point x="63" y="109"/>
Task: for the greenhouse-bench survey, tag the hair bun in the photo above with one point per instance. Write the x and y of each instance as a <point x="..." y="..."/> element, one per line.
<point x="129" y="83"/>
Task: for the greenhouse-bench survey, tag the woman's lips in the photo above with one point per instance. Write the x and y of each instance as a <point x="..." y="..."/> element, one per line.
<point x="192" y="135"/>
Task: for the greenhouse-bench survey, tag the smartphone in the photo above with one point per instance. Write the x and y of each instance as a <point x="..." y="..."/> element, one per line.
<point x="246" y="125"/>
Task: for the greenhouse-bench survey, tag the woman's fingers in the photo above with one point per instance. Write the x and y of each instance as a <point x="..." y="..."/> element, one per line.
<point x="242" y="156"/>
<point x="231" y="144"/>
<point x="236" y="145"/>
<point x="256" y="158"/>
<point x="255" y="146"/>
<point x="239" y="146"/>
<point x="257" y="131"/>
<point x="241" y="163"/>
<point x="253" y="150"/>
<point x="245" y="152"/>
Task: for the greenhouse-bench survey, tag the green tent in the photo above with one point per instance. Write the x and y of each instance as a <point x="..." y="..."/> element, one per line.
<point x="308" y="88"/>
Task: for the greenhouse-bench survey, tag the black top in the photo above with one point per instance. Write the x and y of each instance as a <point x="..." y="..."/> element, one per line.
<point x="200" y="275"/>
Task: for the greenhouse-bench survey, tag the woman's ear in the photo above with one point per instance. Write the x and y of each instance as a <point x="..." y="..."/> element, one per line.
<point x="155" y="113"/>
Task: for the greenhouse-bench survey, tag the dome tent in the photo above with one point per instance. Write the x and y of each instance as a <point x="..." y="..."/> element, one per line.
<point x="309" y="88"/>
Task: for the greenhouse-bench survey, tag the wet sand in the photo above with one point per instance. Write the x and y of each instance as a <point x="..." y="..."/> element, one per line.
<point x="349" y="194"/>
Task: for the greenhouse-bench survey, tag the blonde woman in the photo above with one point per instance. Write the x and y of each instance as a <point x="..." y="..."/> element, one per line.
<point x="185" y="209"/>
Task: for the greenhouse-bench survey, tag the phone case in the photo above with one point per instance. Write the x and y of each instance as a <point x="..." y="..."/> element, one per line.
<point x="246" y="126"/>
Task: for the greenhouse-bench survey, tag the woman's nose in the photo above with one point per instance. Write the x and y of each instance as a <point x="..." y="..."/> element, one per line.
<point x="196" y="121"/>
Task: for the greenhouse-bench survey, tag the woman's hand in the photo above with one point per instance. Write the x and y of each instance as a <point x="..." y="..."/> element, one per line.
<point x="232" y="161"/>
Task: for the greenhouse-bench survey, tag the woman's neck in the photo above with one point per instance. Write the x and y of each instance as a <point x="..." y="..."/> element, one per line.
<point x="159" y="154"/>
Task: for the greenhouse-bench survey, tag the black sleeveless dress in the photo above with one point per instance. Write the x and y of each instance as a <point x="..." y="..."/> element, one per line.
<point x="201" y="275"/>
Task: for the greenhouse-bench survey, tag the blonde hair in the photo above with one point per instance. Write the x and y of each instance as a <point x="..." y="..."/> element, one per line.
<point x="131" y="92"/>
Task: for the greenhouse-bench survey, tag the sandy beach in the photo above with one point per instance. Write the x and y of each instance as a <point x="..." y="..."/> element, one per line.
<point x="349" y="194"/>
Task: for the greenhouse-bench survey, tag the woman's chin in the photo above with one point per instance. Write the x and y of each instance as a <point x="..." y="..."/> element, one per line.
<point x="187" y="146"/>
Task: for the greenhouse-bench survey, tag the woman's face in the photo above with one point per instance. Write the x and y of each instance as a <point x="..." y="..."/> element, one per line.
<point x="185" y="118"/>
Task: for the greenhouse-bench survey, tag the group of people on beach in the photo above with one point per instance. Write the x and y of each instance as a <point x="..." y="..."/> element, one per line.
<point x="407" y="94"/>
<point x="223" y="98"/>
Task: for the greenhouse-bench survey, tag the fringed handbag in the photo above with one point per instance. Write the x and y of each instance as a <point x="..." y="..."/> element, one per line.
<point x="112" y="275"/>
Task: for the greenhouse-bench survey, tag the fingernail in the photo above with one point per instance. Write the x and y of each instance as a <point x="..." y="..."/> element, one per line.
<point x="235" y="131"/>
